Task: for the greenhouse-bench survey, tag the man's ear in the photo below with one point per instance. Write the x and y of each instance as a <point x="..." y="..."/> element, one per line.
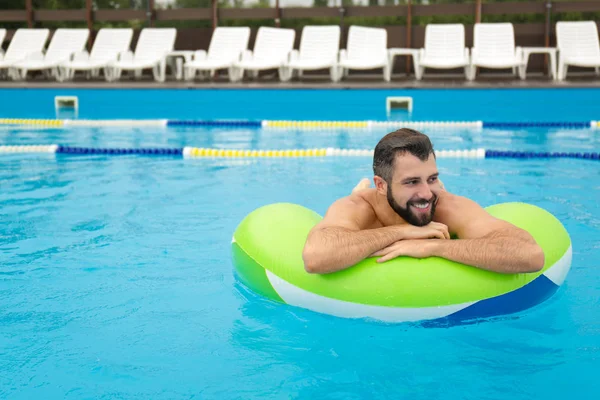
<point x="380" y="185"/>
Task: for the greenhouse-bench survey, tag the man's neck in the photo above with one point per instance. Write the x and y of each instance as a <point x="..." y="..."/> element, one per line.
<point x="385" y="213"/>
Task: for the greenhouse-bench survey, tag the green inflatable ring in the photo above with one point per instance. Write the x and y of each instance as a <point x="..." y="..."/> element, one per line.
<point x="267" y="254"/>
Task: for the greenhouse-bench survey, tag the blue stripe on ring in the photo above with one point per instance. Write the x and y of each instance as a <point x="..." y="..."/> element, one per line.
<point x="532" y="294"/>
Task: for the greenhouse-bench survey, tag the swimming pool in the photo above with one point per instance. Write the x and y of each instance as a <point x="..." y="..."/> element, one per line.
<point x="116" y="278"/>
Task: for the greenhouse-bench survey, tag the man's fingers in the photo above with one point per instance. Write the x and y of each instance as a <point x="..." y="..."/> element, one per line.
<point x="387" y="257"/>
<point x="443" y="229"/>
<point x="437" y="234"/>
<point x="445" y="234"/>
<point x="381" y="252"/>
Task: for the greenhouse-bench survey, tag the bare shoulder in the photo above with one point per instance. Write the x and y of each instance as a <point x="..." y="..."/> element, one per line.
<point x="353" y="212"/>
<point x="465" y="217"/>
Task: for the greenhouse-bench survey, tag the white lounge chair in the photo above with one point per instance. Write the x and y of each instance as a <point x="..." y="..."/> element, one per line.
<point x="444" y="49"/>
<point x="227" y="45"/>
<point x="24" y="43"/>
<point x="109" y="43"/>
<point x="366" y="49"/>
<point x="578" y="45"/>
<point x="272" y="50"/>
<point x="494" y="47"/>
<point x="319" y="48"/>
<point x="151" y="51"/>
<point x="64" y="44"/>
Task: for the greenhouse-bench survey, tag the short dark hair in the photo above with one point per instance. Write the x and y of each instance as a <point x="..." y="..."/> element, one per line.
<point x="399" y="142"/>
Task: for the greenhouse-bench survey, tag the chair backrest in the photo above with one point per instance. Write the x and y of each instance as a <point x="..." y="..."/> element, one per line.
<point x="577" y="38"/>
<point x="228" y="42"/>
<point x="494" y="40"/>
<point x="65" y="42"/>
<point x="445" y="41"/>
<point x="366" y="43"/>
<point x="273" y="43"/>
<point x="155" y="43"/>
<point x="110" y="42"/>
<point x="320" y="43"/>
<point x="26" y="41"/>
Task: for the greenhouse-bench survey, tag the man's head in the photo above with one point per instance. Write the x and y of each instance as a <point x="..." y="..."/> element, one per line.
<point x="406" y="173"/>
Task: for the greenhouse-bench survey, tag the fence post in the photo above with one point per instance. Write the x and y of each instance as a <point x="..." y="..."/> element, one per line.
<point x="408" y="33"/>
<point x="214" y="15"/>
<point x="29" y="9"/>
<point x="547" y="33"/>
<point x="150" y="13"/>
<point x="342" y="11"/>
<point x="478" y="11"/>
<point x="90" y="22"/>
<point x="277" y="14"/>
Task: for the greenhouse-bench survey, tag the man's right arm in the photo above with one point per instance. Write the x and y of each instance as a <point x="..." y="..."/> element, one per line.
<point x="342" y="239"/>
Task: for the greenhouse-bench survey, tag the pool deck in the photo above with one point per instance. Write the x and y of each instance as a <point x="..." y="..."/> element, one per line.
<point x="399" y="81"/>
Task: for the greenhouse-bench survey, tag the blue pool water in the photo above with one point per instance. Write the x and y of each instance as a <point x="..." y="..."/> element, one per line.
<point x="116" y="278"/>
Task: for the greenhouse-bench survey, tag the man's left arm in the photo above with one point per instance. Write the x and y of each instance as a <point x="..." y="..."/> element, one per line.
<point x="483" y="241"/>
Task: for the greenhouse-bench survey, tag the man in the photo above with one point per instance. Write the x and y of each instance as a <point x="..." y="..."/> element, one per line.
<point x="409" y="213"/>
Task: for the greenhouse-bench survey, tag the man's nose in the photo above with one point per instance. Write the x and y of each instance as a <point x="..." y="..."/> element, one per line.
<point x="425" y="192"/>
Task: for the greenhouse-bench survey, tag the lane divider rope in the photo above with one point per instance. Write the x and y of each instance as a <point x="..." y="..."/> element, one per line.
<point x="297" y="124"/>
<point x="198" y="152"/>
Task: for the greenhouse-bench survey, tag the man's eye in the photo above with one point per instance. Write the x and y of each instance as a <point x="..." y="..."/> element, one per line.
<point x="433" y="179"/>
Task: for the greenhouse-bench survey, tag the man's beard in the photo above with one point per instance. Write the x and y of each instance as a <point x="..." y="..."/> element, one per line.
<point x="406" y="213"/>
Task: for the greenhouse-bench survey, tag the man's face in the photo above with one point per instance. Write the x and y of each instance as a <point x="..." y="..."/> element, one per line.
<point x="412" y="191"/>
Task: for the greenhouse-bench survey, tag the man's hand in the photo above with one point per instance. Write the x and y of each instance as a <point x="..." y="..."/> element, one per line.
<point x="410" y="248"/>
<point x="433" y="230"/>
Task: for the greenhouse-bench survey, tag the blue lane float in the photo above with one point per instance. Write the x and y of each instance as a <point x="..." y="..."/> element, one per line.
<point x="118" y="151"/>
<point x="531" y="154"/>
<point x="557" y="124"/>
<point x="240" y="123"/>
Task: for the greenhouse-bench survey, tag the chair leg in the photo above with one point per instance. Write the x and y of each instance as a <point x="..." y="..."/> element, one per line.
<point x="387" y="73"/>
<point x="419" y="72"/>
<point x="162" y="69"/>
<point x="236" y="74"/>
<point x="116" y="74"/>
<point x="521" y="69"/>
<point x="189" y="73"/>
<point x="562" y="71"/>
<point x="285" y="73"/>
<point x="466" y="68"/>
<point x="471" y="72"/>
<point x="334" y="74"/>
<point x="59" y="74"/>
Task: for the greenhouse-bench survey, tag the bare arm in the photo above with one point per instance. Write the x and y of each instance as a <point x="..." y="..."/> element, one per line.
<point x="483" y="241"/>
<point x="487" y="242"/>
<point x="497" y="251"/>
<point x="342" y="239"/>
